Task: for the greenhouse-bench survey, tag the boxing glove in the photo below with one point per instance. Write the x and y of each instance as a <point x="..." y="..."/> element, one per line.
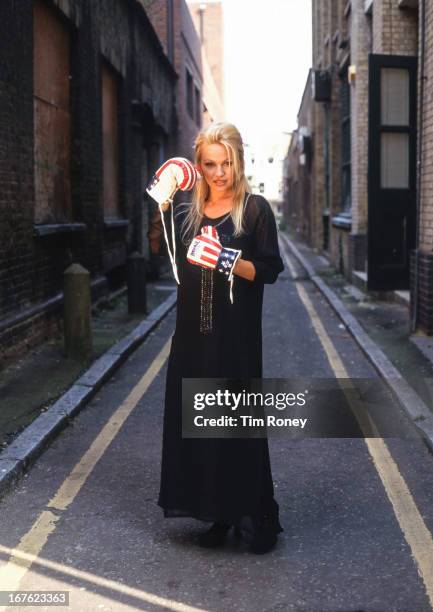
<point x="176" y="173"/>
<point x="207" y="251"/>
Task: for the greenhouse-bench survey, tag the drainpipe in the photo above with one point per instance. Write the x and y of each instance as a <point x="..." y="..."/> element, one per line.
<point x="414" y="319"/>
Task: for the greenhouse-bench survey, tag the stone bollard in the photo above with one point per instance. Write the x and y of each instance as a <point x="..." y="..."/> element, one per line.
<point x="136" y="279"/>
<point x="77" y="312"/>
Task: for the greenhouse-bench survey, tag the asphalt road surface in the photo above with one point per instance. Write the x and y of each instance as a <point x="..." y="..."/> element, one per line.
<point x="357" y="513"/>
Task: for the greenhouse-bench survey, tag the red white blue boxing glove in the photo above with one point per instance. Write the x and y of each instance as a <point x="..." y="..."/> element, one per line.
<point x="176" y="173"/>
<point x="207" y="251"/>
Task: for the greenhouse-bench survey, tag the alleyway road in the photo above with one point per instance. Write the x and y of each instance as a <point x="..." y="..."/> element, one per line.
<point x="358" y="514"/>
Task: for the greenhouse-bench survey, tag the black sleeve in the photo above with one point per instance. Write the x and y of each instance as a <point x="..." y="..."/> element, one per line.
<point x="155" y="232"/>
<point x="266" y="258"/>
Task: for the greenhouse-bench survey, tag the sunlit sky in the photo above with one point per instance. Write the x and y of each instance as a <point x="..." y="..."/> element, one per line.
<point x="267" y="54"/>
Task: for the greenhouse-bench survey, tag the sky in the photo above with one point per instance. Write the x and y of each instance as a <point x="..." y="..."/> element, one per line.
<point x="267" y="54"/>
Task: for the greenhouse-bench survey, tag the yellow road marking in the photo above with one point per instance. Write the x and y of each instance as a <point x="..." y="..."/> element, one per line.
<point x="93" y="579"/>
<point x="29" y="547"/>
<point x="34" y="540"/>
<point x="79" y="474"/>
<point x="364" y="420"/>
<point x="408" y="516"/>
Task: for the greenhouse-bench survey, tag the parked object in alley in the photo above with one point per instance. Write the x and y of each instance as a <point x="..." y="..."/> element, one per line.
<point x="77" y="312"/>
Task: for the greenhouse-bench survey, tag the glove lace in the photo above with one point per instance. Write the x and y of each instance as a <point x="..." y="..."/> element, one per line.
<point x="171" y="253"/>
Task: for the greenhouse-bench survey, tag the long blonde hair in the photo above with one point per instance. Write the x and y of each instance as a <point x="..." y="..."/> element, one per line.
<point x="227" y="135"/>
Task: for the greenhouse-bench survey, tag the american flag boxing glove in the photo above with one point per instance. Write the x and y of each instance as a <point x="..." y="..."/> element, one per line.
<point x="207" y="251"/>
<point x="176" y="173"/>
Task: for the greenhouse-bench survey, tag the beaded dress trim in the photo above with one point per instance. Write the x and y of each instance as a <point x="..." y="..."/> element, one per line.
<point x="206" y="297"/>
<point x="207" y="278"/>
<point x="206" y="300"/>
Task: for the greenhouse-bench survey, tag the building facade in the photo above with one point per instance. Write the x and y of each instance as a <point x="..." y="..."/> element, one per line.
<point x="298" y="172"/>
<point x="87" y="108"/>
<point x="208" y="21"/>
<point x="370" y="203"/>
<point x="198" y="93"/>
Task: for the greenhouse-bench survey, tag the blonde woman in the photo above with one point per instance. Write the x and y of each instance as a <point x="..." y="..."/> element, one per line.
<point x="218" y="334"/>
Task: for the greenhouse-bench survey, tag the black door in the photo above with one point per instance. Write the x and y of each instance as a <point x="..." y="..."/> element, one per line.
<point x="391" y="170"/>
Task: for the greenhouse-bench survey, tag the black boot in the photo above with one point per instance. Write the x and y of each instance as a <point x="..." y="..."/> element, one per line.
<point x="265" y="535"/>
<point x="215" y="536"/>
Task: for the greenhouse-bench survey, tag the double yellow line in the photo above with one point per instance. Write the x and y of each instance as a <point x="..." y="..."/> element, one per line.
<point x="406" y="512"/>
<point x="29" y="547"/>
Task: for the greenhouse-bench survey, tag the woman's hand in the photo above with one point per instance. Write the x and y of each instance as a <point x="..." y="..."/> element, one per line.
<point x="207" y="251"/>
<point x="165" y="206"/>
<point x="245" y="269"/>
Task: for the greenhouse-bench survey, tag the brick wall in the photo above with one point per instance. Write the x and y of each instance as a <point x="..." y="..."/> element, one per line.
<point x="360" y="41"/>
<point x="209" y="26"/>
<point x="395" y="30"/>
<point x="16" y="158"/>
<point x="31" y="267"/>
<point x="212" y="38"/>
<point x="344" y="34"/>
<point x="422" y="288"/>
<point x="426" y="211"/>
<point x="157" y="13"/>
<point x="318" y="200"/>
<point x="187" y="55"/>
<point x="297" y="207"/>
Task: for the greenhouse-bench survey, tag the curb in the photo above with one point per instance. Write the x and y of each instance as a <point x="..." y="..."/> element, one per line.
<point x="30" y="444"/>
<point x="420" y="415"/>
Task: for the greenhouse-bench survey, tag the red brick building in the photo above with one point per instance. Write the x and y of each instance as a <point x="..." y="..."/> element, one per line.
<point x="208" y="21"/>
<point x="198" y="95"/>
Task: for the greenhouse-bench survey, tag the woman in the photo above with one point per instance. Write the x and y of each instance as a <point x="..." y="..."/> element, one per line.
<point x="218" y="335"/>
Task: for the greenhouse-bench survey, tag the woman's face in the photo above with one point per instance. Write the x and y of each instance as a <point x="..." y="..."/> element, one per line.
<point x="216" y="168"/>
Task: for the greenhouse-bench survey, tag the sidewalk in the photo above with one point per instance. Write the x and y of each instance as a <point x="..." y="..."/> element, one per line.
<point x="32" y="384"/>
<point x="386" y="323"/>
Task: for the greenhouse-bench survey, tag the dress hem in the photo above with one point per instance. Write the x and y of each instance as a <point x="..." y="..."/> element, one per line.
<point x="245" y="521"/>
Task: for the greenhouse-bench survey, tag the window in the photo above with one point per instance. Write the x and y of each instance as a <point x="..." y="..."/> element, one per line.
<point x="394" y="139"/>
<point x="110" y="142"/>
<point x="189" y="94"/>
<point x="394" y="161"/>
<point x="198" y="107"/>
<point x="52" y="117"/>
<point x="395" y="96"/>
<point x="346" y="142"/>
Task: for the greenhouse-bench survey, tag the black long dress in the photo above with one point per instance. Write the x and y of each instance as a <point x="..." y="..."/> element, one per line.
<point x="226" y="480"/>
